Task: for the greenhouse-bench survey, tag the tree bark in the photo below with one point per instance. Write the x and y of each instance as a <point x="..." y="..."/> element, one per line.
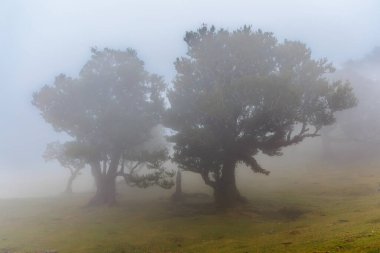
<point x="105" y="191"/>
<point x="226" y="193"/>
<point x="105" y="182"/>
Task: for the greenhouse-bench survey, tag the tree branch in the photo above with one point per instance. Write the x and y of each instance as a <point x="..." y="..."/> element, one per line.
<point x="132" y="169"/>
<point x="76" y="171"/>
<point x="206" y="178"/>
<point x="255" y="167"/>
<point x="96" y="171"/>
<point x="114" y="164"/>
<point x="304" y="133"/>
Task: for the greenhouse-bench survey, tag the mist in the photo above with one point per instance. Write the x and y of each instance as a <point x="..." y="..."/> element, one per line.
<point x="48" y="46"/>
<point x="41" y="40"/>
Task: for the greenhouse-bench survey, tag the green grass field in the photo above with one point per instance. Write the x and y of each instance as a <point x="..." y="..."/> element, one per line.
<point x="324" y="211"/>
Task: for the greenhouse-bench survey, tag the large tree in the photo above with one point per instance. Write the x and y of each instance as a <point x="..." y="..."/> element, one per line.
<point x="109" y="110"/>
<point x="240" y="93"/>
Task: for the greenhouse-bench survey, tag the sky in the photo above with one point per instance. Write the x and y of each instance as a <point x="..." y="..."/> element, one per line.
<point x="40" y="39"/>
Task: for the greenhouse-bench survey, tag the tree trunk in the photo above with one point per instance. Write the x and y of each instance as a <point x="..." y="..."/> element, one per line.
<point x="105" y="191"/>
<point x="105" y="182"/>
<point x="178" y="195"/>
<point x="226" y="193"/>
<point x="69" y="185"/>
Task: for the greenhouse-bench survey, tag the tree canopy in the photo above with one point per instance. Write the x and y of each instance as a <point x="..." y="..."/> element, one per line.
<point x="109" y="111"/>
<point x="239" y="93"/>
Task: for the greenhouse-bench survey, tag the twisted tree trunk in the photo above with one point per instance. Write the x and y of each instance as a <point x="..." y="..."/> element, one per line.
<point x="105" y="182"/>
<point x="178" y="195"/>
<point x="226" y="193"/>
<point x="105" y="191"/>
<point x="69" y="185"/>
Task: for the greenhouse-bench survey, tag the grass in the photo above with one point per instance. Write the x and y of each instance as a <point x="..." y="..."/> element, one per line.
<point x="320" y="211"/>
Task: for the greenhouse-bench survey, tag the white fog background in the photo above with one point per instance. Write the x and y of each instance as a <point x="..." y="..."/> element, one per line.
<point x="40" y="39"/>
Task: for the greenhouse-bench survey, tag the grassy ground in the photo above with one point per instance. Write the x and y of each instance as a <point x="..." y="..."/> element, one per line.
<point x="324" y="211"/>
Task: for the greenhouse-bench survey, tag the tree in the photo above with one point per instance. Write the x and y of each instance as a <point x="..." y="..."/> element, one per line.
<point x="68" y="158"/>
<point x="239" y="93"/>
<point x="356" y="134"/>
<point x="110" y="111"/>
<point x="178" y="194"/>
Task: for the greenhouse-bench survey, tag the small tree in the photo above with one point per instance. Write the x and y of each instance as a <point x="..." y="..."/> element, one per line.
<point x="240" y="93"/>
<point x="67" y="157"/>
<point x="110" y="111"/>
<point x="178" y="194"/>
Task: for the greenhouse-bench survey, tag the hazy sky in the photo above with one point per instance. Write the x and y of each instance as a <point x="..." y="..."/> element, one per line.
<point x="42" y="38"/>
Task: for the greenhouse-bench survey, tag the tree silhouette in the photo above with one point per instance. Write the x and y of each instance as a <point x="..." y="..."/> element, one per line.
<point x="68" y="158"/>
<point x="110" y="111"/>
<point x="240" y="93"/>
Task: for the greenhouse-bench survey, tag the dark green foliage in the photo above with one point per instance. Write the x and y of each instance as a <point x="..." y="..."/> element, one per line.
<point x="240" y="93"/>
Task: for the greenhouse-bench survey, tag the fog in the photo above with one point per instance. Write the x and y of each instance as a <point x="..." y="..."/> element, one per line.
<point x="41" y="39"/>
